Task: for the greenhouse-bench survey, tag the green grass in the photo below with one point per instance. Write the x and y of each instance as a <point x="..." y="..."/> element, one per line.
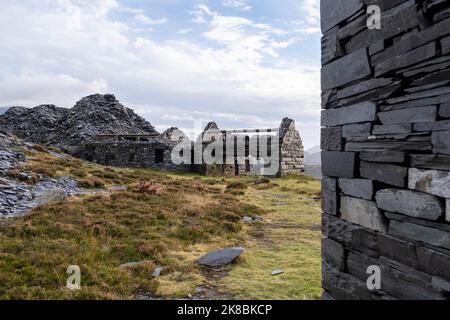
<point x="188" y="218"/>
<point x="287" y="240"/>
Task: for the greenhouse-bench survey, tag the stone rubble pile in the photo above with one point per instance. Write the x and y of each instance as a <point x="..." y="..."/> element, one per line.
<point x="17" y="198"/>
<point x="386" y="143"/>
<point x="69" y="128"/>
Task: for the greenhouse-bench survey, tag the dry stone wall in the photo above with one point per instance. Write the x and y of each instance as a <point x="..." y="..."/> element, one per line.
<point x="386" y="149"/>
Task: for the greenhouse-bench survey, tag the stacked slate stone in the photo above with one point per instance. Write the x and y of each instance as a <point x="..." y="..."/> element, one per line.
<point x="386" y="149"/>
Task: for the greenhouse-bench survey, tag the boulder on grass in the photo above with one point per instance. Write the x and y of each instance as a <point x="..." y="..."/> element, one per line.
<point x="220" y="258"/>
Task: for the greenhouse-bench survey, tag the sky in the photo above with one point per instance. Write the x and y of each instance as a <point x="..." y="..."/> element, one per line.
<point x="241" y="63"/>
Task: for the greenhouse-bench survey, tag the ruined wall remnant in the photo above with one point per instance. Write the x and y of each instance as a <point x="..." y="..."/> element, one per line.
<point x="386" y="149"/>
<point x="258" y="155"/>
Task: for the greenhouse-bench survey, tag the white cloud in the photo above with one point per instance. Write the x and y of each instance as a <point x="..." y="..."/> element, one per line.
<point x="149" y="21"/>
<point x="312" y="9"/>
<point x="61" y="52"/>
<point x="243" y="5"/>
<point x="185" y="31"/>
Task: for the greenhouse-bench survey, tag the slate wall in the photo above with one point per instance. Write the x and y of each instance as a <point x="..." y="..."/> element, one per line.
<point x="386" y="149"/>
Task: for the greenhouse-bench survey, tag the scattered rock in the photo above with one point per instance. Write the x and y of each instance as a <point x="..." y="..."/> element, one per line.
<point x="53" y="196"/>
<point x="133" y="265"/>
<point x="248" y="219"/>
<point x="220" y="258"/>
<point x="157" y="273"/>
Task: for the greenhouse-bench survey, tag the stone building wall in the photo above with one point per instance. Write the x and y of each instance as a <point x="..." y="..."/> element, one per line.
<point x="292" y="154"/>
<point x="386" y="149"/>
<point x="129" y="154"/>
<point x="289" y="153"/>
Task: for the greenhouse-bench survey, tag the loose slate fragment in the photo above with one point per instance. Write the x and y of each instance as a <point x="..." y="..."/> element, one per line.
<point x="412" y="115"/>
<point x="363" y="213"/>
<point x="387" y="173"/>
<point x="383" y="156"/>
<point x="353" y="66"/>
<point x="358" y="188"/>
<point x="441" y="142"/>
<point x="392" y="129"/>
<point x="410" y="203"/>
<point x="338" y="164"/>
<point x="220" y="258"/>
<point x="362" y="112"/>
<point x="430" y="181"/>
<point x="420" y="233"/>
<point x="331" y="139"/>
<point x="415" y="56"/>
<point x="335" y="11"/>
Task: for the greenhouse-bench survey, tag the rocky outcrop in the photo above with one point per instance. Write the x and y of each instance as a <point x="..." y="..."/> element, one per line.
<point x="68" y="128"/>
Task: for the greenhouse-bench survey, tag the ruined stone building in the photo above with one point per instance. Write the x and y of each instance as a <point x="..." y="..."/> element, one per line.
<point x="386" y="142"/>
<point x="280" y="148"/>
<point x="133" y="150"/>
<point x="253" y="152"/>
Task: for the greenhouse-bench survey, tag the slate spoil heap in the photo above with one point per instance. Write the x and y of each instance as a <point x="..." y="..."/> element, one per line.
<point x="17" y="198"/>
<point x="386" y="142"/>
<point x="67" y="129"/>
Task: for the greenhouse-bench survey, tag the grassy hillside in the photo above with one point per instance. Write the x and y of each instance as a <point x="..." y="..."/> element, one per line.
<point x="179" y="220"/>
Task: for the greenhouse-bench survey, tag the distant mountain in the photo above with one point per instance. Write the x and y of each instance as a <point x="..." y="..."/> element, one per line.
<point x="313" y="160"/>
<point x="3" y="109"/>
<point x="68" y="128"/>
<point x="314" y="149"/>
<point x="313" y="156"/>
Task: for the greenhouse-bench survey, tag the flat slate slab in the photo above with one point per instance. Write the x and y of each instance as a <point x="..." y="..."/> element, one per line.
<point x="410" y="203"/>
<point x="353" y="66"/>
<point x="358" y="188"/>
<point x="361" y="112"/>
<point x="363" y="213"/>
<point x="220" y="258"/>
<point x="420" y="233"/>
<point x="338" y="164"/>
